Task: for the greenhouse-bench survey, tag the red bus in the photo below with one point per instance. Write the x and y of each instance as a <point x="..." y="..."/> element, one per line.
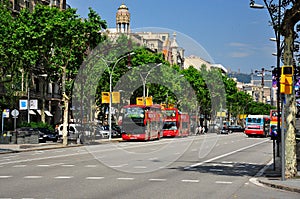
<point x="175" y="123"/>
<point x="140" y="122"/>
<point x="257" y="125"/>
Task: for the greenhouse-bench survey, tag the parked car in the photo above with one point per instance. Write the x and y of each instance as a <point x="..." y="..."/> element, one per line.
<point x="214" y="128"/>
<point x="46" y="134"/>
<point x="224" y="131"/>
<point x="103" y="131"/>
<point x="235" y="128"/>
<point x="73" y="131"/>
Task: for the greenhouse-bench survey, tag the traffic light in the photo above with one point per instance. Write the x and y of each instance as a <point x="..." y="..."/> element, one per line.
<point x="275" y="77"/>
<point x="139" y="101"/>
<point x="286" y="79"/>
<point x="105" y="97"/>
<point x="149" y="101"/>
<point x="116" y="97"/>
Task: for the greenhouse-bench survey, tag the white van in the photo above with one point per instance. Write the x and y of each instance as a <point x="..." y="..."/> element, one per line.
<point x="73" y="131"/>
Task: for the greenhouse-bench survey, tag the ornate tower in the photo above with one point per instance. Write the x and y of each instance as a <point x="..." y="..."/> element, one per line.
<point x="123" y="19"/>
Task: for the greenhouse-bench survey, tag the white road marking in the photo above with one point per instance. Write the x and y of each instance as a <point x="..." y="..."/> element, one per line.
<point x="158" y="179"/>
<point x="223" y="182"/>
<point x="95" y="178"/>
<point x="118" y="166"/>
<point x="2" y="177"/>
<point x="90" y="166"/>
<point x="63" y="177"/>
<point x="67" y="165"/>
<point x="59" y="151"/>
<point x="125" y="178"/>
<point x="218" y="170"/>
<point x="224" y="155"/>
<point x="43" y="165"/>
<point x="155" y="158"/>
<point x="194" y="181"/>
<point x="140" y="167"/>
<point x="20" y="166"/>
<point x="33" y="177"/>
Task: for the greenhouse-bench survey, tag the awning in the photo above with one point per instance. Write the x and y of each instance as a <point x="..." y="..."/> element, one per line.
<point x="31" y="112"/>
<point x="48" y="113"/>
<point x="39" y="112"/>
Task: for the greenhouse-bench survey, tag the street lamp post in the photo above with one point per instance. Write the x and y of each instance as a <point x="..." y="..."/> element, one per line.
<point x="278" y="49"/>
<point x="262" y="72"/>
<point x="110" y="87"/>
<point x="144" y="79"/>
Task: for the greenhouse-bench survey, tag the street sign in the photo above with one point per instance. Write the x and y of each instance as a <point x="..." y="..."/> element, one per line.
<point x="5" y="113"/>
<point x="15" y="113"/>
<point x="23" y="104"/>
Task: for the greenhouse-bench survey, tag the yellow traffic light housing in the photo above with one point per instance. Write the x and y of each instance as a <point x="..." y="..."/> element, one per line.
<point x="286" y="79"/>
<point x="149" y="101"/>
<point x="105" y="97"/>
<point x="139" y="101"/>
<point x="116" y="98"/>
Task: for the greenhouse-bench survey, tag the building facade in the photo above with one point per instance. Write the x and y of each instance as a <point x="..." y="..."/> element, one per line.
<point x="18" y="5"/>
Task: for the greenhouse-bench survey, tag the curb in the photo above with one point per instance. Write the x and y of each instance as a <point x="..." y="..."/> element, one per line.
<point x="279" y="186"/>
<point x="28" y="148"/>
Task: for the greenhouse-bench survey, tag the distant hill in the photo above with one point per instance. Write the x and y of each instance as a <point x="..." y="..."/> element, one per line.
<point x="241" y="77"/>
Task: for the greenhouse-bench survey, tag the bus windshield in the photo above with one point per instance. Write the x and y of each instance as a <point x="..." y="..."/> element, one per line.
<point x="170" y="113"/>
<point x="134" y="112"/>
<point x="170" y="126"/>
<point x="254" y="120"/>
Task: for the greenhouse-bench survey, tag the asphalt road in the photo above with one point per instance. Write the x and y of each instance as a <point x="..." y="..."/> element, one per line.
<point x="206" y="166"/>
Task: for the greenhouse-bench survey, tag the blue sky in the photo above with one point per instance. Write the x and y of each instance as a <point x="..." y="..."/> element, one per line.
<point x="232" y="33"/>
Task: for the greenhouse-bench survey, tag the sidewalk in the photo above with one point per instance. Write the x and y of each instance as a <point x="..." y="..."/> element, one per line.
<point x="16" y="148"/>
<point x="272" y="178"/>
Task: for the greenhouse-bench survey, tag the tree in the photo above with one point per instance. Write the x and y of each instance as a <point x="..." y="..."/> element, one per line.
<point x="291" y="17"/>
<point x="56" y="42"/>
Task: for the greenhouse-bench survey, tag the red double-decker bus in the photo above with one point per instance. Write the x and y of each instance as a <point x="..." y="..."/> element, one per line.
<point x="140" y="122"/>
<point x="175" y="123"/>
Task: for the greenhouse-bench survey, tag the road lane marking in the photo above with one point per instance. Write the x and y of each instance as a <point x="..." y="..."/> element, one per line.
<point x="118" y="166"/>
<point x="63" y="177"/>
<point x="3" y="177"/>
<point x="218" y="170"/>
<point x="33" y="177"/>
<point x="193" y="181"/>
<point x="43" y="165"/>
<point x="94" y="178"/>
<point x="223" y="182"/>
<point x="224" y="155"/>
<point x="157" y="179"/>
<point x="20" y="166"/>
<point x="90" y="166"/>
<point x="140" y="167"/>
<point x="67" y="165"/>
<point x="125" y="178"/>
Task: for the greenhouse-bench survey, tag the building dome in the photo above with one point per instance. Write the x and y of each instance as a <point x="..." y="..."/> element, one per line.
<point x="123" y="15"/>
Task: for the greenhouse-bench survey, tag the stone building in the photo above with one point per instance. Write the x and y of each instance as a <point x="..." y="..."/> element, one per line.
<point x="155" y="41"/>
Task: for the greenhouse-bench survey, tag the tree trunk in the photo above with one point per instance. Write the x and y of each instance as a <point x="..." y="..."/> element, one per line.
<point x="66" y="107"/>
<point x="291" y="17"/>
<point x="65" y="119"/>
